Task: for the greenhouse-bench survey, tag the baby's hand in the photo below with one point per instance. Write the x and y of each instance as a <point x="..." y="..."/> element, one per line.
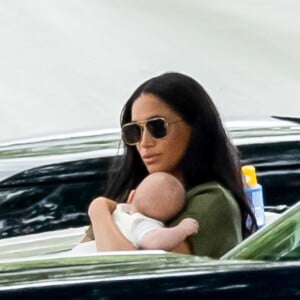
<point x="190" y="226"/>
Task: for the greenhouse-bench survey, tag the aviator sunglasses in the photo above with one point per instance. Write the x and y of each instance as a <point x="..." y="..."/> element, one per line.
<point x="158" y="128"/>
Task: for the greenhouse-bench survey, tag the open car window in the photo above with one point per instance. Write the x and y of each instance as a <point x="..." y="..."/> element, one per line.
<point x="278" y="241"/>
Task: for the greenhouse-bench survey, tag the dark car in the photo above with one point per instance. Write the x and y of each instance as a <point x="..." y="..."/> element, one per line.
<point x="47" y="184"/>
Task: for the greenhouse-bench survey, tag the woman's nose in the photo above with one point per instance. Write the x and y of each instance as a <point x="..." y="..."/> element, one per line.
<point x="146" y="138"/>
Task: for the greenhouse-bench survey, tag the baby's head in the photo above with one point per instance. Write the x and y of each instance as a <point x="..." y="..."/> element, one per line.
<point x="160" y="196"/>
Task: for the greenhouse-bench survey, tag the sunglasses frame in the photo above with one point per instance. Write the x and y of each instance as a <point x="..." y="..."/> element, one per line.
<point x="143" y="124"/>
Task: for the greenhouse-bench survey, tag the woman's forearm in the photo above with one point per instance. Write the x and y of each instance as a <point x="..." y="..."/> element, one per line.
<point x="107" y="235"/>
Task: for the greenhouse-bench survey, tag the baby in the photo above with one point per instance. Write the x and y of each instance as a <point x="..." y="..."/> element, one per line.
<point x="157" y="199"/>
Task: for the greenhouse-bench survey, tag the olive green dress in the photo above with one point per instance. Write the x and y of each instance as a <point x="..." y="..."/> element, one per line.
<point x="219" y="219"/>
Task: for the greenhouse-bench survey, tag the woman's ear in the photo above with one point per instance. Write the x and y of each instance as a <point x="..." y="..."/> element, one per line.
<point x="131" y="196"/>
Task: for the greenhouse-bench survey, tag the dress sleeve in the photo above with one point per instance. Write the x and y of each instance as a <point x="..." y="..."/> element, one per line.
<point x="219" y="220"/>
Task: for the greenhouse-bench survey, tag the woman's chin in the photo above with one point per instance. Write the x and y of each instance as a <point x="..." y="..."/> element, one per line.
<point x="153" y="169"/>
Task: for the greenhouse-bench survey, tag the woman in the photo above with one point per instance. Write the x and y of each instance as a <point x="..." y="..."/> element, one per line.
<point x="170" y="124"/>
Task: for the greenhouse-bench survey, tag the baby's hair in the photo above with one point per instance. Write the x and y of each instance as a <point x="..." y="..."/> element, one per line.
<point x="160" y="196"/>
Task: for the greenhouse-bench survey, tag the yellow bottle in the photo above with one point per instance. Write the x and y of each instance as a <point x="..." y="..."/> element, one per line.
<point x="254" y="193"/>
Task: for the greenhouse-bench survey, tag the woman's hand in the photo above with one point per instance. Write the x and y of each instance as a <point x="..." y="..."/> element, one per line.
<point x="107" y="235"/>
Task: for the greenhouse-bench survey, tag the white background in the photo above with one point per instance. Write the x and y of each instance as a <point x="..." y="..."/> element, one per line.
<point x="71" y="64"/>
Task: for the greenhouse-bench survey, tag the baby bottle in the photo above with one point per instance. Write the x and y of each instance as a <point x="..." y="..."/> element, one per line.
<point x="254" y="194"/>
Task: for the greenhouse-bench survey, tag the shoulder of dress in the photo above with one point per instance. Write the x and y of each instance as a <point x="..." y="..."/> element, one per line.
<point x="211" y="187"/>
<point x="210" y="192"/>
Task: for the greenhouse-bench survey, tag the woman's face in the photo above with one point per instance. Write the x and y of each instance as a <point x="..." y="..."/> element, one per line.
<point x="163" y="154"/>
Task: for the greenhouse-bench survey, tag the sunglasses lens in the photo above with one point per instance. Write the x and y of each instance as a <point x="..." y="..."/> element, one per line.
<point x="157" y="128"/>
<point x="131" y="134"/>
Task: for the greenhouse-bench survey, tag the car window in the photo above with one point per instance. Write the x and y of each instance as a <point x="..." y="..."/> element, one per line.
<point x="278" y="241"/>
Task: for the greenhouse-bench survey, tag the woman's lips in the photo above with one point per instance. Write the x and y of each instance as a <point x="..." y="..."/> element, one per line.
<point x="150" y="158"/>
